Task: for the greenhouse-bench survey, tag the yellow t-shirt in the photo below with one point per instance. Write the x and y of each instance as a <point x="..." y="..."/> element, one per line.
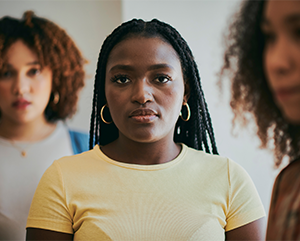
<point x="196" y="196"/>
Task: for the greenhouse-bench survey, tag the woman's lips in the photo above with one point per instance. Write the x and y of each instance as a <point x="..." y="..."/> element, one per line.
<point x="143" y="115"/>
<point x="283" y="94"/>
<point x="21" y="104"/>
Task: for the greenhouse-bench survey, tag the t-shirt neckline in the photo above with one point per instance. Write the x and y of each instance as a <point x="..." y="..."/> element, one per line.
<point x="154" y="167"/>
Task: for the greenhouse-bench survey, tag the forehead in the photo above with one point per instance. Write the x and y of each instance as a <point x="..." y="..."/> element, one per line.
<point x="151" y="50"/>
<point x="19" y="52"/>
<point x="282" y="11"/>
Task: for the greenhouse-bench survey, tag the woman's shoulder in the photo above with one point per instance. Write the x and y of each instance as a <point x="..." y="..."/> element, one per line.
<point x="207" y="158"/>
<point x="76" y="160"/>
<point x="289" y="176"/>
<point x="292" y="167"/>
<point x="216" y="163"/>
<point x="78" y="133"/>
<point x="79" y="140"/>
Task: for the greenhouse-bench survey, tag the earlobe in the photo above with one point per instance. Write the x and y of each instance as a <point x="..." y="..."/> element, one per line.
<point x="185" y="99"/>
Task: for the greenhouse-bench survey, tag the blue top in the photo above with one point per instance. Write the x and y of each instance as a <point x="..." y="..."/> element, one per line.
<point x="80" y="141"/>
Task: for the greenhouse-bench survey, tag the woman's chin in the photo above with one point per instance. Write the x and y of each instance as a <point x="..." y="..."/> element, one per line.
<point x="293" y="117"/>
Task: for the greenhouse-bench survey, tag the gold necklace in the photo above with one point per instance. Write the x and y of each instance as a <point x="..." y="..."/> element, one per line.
<point x="24" y="150"/>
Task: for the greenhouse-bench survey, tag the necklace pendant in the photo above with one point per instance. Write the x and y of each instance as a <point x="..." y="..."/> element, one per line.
<point x="19" y="148"/>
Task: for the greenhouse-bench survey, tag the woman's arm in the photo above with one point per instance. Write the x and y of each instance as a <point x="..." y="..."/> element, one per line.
<point x="250" y="231"/>
<point x="49" y="208"/>
<point x="42" y="234"/>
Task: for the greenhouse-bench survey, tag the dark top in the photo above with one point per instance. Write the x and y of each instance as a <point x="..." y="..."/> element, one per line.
<point x="284" y="214"/>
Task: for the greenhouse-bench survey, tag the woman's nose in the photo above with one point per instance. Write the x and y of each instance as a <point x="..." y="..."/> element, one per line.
<point x="21" y="85"/>
<point x="280" y="57"/>
<point x="142" y="92"/>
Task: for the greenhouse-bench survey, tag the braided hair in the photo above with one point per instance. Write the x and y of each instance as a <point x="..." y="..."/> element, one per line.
<point x="195" y="133"/>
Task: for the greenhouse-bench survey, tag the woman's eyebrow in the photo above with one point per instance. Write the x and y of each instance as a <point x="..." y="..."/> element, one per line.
<point x="160" y="66"/>
<point x="292" y="18"/>
<point x="129" y="67"/>
<point x="33" y="63"/>
<point x="121" y="67"/>
<point x="9" y="65"/>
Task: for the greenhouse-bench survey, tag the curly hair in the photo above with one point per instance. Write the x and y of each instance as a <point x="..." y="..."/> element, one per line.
<point x="54" y="48"/>
<point x="243" y="63"/>
<point x="198" y="131"/>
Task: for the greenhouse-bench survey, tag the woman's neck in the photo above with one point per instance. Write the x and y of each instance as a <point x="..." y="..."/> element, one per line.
<point x="142" y="153"/>
<point x="29" y="132"/>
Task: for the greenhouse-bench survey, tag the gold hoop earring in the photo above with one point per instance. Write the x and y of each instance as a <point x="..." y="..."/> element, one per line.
<point x="188" y="112"/>
<point x="55" y="98"/>
<point x="101" y="114"/>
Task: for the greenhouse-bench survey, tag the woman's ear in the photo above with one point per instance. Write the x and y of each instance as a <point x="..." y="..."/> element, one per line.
<point x="186" y="91"/>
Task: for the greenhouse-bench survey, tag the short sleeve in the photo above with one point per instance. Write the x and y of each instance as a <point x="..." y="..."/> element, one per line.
<point x="245" y="205"/>
<point x="49" y="209"/>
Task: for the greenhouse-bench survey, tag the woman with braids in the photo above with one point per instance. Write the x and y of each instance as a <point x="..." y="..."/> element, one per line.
<point x="41" y="73"/>
<point x="265" y="44"/>
<point x="146" y="176"/>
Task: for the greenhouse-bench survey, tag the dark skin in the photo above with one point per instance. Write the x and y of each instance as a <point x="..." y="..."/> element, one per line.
<point x="144" y="75"/>
<point x="42" y="234"/>
<point x="251" y="231"/>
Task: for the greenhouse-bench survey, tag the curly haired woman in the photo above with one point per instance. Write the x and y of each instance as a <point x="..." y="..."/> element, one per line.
<point x="263" y="58"/>
<point x="41" y="73"/>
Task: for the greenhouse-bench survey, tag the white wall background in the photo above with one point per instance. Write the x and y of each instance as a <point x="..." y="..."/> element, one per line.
<point x="200" y="22"/>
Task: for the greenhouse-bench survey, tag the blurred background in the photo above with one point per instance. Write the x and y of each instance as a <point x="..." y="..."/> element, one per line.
<point x="202" y="23"/>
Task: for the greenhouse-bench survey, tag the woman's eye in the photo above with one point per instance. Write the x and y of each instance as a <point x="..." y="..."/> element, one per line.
<point x="268" y="33"/>
<point x="6" y="74"/>
<point x="269" y="37"/>
<point x="34" y="71"/>
<point x="120" y="79"/>
<point x="296" y="33"/>
<point x="162" y="79"/>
